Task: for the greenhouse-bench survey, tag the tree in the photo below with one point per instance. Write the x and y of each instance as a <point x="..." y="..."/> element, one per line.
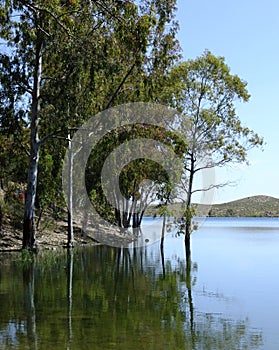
<point x="25" y="30"/>
<point x="68" y="60"/>
<point x="141" y="181"/>
<point x="206" y="93"/>
<point x="134" y="75"/>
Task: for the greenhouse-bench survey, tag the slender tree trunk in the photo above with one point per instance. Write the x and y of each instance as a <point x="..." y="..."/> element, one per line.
<point x="126" y="213"/>
<point x="117" y="217"/>
<point x="29" y="232"/>
<point x="136" y="220"/>
<point x="1" y="220"/>
<point x="129" y="216"/>
<point x="70" y="196"/>
<point x="117" y="211"/>
<point x="188" y="223"/>
<point x="162" y="246"/>
<point x="141" y="217"/>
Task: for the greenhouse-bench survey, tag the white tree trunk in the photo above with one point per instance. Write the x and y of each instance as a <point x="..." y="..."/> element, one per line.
<point x="70" y="196"/>
<point x="29" y="234"/>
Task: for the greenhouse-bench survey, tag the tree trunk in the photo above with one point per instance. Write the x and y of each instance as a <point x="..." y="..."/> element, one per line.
<point x="190" y="297"/>
<point x="1" y="220"/>
<point x="141" y="217"/>
<point x="188" y="223"/>
<point x="70" y="197"/>
<point x="162" y="246"/>
<point x="187" y="244"/>
<point x="29" y="234"/>
<point x="136" y="220"/>
<point x="117" y="217"/>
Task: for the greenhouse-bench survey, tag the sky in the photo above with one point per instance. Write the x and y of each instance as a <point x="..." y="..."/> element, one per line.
<point x="246" y="33"/>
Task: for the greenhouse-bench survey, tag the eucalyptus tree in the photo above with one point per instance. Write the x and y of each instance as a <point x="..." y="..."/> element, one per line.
<point x="137" y="73"/>
<point x="207" y="94"/>
<point x="147" y="173"/>
<point x="32" y="33"/>
<point x="66" y="60"/>
<point x="27" y="30"/>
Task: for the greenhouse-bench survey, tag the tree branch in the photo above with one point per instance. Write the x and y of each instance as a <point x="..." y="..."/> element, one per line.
<point x="98" y="3"/>
<point x="211" y="187"/>
<point x="36" y="8"/>
<point x="121" y="84"/>
<point x="51" y="135"/>
<point x="22" y="146"/>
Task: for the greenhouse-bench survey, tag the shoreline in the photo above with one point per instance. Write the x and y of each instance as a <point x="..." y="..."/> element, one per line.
<point x="56" y="238"/>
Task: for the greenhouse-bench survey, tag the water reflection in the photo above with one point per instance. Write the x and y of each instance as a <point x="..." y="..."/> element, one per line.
<point x="70" y="266"/>
<point x="111" y="298"/>
<point x="29" y="303"/>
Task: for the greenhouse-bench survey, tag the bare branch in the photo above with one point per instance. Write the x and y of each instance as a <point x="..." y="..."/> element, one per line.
<point x="211" y="187"/>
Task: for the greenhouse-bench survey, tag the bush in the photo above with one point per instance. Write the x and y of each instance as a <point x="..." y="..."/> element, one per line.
<point x="11" y="210"/>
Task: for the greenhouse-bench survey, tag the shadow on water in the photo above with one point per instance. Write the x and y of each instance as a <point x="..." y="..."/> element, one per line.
<point x="111" y="298"/>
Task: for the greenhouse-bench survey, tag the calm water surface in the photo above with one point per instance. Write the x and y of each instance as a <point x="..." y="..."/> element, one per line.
<point x="112" y="298"/>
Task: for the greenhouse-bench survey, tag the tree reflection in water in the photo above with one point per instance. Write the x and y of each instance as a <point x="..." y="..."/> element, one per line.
<point x="29" y="301"/>
<point x="104" y="298"/>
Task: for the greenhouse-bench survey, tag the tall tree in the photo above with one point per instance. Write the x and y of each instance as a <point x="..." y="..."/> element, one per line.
<point x="29" y="30"/>
<point x="66" y="60"/>
<point x="206" y="93"/>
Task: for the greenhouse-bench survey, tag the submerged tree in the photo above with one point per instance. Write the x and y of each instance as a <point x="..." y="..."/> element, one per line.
<point x="206" y="93"/>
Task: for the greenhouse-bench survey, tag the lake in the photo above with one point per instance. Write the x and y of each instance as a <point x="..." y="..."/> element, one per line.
<point x="106" y="298"/>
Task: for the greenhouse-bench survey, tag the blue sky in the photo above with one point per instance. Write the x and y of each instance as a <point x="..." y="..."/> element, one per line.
<point x="246" y="33"/>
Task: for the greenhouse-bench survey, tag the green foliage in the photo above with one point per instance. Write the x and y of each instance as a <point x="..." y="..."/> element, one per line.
<point x="94" y="55"/>
<point x="133" y="175"/>
<point x="206" y="93"/>
<point x="13" y="157"/>
<point x="49" y="193"/>
<point x="11" y="206"/>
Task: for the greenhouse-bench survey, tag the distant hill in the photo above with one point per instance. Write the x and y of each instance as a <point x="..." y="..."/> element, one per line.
<point x="261" y="206"/>
<point x="257" y="206"/>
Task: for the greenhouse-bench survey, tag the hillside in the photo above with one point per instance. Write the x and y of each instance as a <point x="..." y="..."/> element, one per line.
<point x="250" y="206"/>
<point x="259" y="206"/>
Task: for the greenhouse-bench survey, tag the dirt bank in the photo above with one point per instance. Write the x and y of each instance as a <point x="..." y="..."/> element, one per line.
<point x="48" y="238"/>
